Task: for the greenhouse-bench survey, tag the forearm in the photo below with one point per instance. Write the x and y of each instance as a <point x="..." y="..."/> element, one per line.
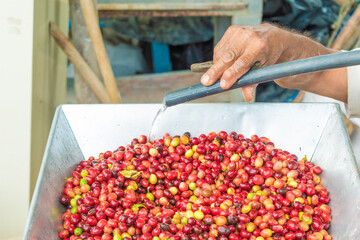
<point x="330" y="83"/>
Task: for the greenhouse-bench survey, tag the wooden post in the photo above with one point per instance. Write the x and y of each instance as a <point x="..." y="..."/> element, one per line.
<point x="347" y="31"/>
<point x="81" y="41"/>
<point x="92" y="24"/>
<point x="79" y="63"/>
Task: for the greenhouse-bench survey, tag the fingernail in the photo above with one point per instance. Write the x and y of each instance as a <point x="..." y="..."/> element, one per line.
<point x="222" y="84"/>
<point x="205" y="78"/>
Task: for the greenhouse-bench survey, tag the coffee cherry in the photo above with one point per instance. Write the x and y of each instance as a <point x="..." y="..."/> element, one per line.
<point x="215" y="186"/>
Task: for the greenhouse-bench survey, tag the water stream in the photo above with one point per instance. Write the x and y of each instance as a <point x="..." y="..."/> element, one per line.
<point x="156" y="122"/>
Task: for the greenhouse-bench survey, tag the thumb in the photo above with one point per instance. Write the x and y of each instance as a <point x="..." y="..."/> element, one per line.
<point x="248" y="92"/>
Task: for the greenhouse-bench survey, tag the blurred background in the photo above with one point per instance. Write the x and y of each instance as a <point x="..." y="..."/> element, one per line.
<point x="48" y="58"/>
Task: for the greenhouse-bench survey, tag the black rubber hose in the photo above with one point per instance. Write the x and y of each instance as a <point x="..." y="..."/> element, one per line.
<point x="267" y="74"/>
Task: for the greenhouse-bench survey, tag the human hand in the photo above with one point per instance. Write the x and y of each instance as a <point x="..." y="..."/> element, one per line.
<point x="242" y="46"/>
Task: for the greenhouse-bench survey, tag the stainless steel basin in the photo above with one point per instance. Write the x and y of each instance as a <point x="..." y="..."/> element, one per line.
<point x="316" y="130"/>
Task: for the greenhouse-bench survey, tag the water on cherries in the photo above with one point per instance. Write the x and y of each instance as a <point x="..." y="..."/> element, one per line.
<point x="215" y="186"/>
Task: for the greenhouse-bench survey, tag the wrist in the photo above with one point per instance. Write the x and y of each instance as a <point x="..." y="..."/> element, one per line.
<point x="297" y="46"/>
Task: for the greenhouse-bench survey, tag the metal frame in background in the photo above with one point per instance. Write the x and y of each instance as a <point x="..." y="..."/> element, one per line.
<point x="225" y="13"/>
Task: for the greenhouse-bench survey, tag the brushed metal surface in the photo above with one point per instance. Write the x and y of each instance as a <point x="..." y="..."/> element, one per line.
<point x="61" y="155"/>
<point x="316" y="130"/>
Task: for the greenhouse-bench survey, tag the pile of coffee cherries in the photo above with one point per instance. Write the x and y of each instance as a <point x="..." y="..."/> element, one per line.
<point x="216" y="186"/>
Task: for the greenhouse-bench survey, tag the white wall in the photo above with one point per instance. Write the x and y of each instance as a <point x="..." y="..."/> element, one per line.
<point x="16" y="42"/>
